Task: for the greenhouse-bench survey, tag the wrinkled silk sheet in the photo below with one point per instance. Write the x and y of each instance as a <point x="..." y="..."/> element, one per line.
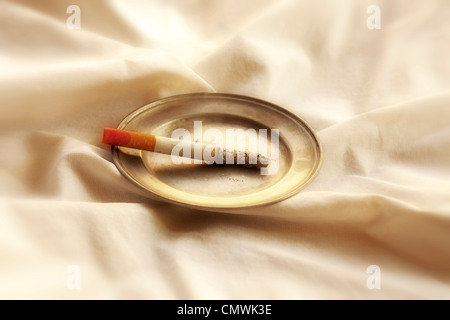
<point x="374" y="84"/>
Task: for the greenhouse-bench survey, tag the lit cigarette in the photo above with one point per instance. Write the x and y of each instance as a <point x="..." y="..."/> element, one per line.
<point x="164" y="145"/>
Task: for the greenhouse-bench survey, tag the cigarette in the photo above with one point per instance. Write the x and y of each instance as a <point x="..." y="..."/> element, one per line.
<point x="164" y="145"/>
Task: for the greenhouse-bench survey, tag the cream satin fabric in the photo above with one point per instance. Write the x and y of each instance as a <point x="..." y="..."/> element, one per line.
<point x="379" y="100"/>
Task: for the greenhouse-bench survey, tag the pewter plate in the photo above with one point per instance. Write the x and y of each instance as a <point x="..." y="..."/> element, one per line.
<point x="210" y="187"/>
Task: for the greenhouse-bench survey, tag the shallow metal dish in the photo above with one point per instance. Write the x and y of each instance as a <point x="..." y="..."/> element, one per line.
<point x="219" y="186"/>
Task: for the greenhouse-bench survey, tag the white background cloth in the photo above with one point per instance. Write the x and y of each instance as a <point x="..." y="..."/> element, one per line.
<point x="379" y="100"/>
